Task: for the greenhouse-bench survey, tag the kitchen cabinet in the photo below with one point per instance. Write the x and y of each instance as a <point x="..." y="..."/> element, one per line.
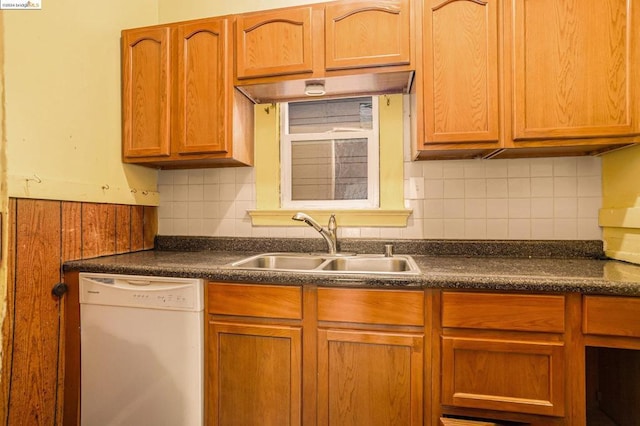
<point x="370" y="357"/>
<point x="503" y="352"/>
<point x="274" y="43"/>
<point x="179" y="105"/>
<point x="254" y="356"/>
<point x="612" y="359"/>
<point x="351" y="47"/>
<point x="526" y="78"/>
<point x="361" y="359"/>
<point x="461" y="69"/>
<point x="364" y="34"/>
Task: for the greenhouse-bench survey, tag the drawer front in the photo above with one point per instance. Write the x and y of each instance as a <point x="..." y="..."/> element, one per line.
<point x="613" y="316"/>
<point x="391" y="307"/>
<point x="517" y="312"/>
<point x="263" y="301"/>
<point x="503" y="375"/>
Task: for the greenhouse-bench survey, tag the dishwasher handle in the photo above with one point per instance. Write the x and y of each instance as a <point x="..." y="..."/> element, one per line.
<point x="59" y="289"/>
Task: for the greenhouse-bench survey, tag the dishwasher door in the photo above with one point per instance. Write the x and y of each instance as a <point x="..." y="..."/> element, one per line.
<point x="141" y="350"/>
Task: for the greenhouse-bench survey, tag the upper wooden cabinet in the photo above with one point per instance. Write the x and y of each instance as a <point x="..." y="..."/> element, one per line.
<point x="367" y="34"/>
<point x="337" y="42"/>
<point x="461" y="69"/>
<point x="146" y="92"/>
<point x="179" y="105"/>
<point x="574" y="68"/>
<point x="527" y="77"/>
<point x="274" y="43"/>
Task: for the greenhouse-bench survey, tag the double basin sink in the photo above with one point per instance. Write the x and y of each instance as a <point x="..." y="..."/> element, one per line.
<point x="328" y="263"/>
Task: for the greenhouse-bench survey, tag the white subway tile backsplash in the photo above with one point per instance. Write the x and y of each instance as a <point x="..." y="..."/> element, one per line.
<point x="589" y="186"/>
<point x="519" y="187"/>
<point x="498" y="188"/>
<point x="475" y="188"/>
<point x="541" y="187"/>
<point x="475" y="208"/>
<point x="542" y="208"/>
<point x="454" y="188"/>
<point x="565" y="166"/>
<point x="497" y="208"/>
<point x="519" y="229"/>
<point x="453" y="208"/>
<point x="565" y="207"/>
<point x="541" y="167"/>
<point x="541" y="198"/>
<point x="518" y="168"/>
<point x="565" y="186"/>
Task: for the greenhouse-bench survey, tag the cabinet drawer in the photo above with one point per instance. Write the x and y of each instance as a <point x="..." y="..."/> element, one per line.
<point x="505" y="375"/>
<point x="392" y="307"/>
<point x="613" y="316"/>
<point x="264" y="301"/>
<point x="518" y="312"/>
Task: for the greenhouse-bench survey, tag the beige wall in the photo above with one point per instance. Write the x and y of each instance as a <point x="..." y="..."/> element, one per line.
<point x="62" y="99"/>
<point x="60" y="106"/>
<point x="172" y="10"/>
<point x="620" y="214"/>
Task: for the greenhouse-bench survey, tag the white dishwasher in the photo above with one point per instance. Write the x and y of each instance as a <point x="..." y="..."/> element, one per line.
<point x="141" y="350"/>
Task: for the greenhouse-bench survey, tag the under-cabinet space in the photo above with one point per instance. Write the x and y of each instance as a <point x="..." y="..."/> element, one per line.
<point x="612" y="386"/>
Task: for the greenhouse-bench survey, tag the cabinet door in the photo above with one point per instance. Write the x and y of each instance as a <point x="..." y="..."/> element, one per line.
<point x="254" y="374"/>
<point x="575" y="68"/>
<point x="274" y="43"/>
<point x="369" y="378"/>
<point x="460" y="63"/>
<point x="202" y="87"/>
<point x="146" y="92"/>
<point x="367" y="34"/>
<point x="506" y="375"/>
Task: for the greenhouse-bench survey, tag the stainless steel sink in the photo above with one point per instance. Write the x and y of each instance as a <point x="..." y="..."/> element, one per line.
<point x="370" y="264"/>
<point x="281" y="261"/>
<point x="330" y="264"/>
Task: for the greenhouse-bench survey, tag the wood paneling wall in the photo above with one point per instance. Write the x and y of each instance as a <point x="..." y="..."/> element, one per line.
<point x="44" y="234"/>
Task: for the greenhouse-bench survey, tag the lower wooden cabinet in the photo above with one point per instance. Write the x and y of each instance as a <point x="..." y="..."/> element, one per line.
<point x="506" y="375"/>
<point x="255" y="374"/>
<point x="369" y="378"/>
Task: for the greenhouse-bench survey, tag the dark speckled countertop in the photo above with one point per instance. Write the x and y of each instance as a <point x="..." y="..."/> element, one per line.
<point x="532" y="266"/>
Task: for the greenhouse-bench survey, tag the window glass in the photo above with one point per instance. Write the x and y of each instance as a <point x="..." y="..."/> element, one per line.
<point x="330" y="153"/>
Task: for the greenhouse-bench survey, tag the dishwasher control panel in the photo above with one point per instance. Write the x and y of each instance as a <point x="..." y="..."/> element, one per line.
<point x="142" y="292"/>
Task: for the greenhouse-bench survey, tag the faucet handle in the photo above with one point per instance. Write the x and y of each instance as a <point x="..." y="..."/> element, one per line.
<point x="332" y="226"/>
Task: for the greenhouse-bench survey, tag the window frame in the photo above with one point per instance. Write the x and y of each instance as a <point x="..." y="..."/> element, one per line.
<point x="373" y="160"/>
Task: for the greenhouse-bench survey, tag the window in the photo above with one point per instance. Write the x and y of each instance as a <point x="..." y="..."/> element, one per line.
<point x="330" y="154"/>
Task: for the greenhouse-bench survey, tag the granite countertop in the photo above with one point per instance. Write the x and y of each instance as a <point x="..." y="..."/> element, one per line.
<point x="537" y="267"/>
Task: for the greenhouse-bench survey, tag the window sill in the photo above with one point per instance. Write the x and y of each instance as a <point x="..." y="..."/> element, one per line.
<point x="346" y="218"/>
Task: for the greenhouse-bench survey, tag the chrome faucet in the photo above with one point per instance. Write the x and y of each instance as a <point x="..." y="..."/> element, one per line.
<point x="328" y="233"/>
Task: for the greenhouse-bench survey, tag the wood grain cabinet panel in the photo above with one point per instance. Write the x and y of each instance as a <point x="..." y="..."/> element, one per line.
<point x="371" y="378"/>
<point x="180" y="108"/>
<point x="370" y="306"/>
<point x="504" y="375"/>
<point x="202" y="87"/>
<point x="274" y="43"/>
<point x="575" y="68"/>
<point x="461" y="69"/>
<point x="255" y="300"/>
<point x="492" y="311"/>
<point x="367" y="33"/>
<point x="146" y="92"/>
<point x="611" y="316"/>
<point x="255" y="374"/>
